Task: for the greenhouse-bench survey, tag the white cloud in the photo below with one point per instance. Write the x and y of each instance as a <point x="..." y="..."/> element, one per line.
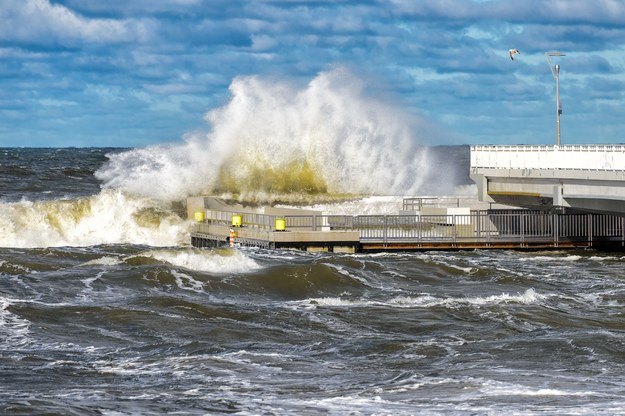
<point x="48" y="102"/>
<point x="263" y="42"/>
<point x="40" y="21"/>
<point x="105" y="92"/>
<point x="528" y="11"/>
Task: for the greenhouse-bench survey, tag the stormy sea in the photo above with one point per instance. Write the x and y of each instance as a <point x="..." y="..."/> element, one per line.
<point x="106" y="309"/>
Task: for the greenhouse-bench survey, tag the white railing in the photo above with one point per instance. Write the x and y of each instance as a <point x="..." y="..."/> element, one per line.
<point x="569" y="157"/>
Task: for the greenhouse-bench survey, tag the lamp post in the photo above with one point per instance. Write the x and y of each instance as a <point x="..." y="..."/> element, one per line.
<point x="555" y="71"/>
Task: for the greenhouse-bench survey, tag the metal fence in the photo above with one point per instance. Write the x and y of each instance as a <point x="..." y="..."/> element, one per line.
<point x="417" y="203"/>
<point x="484" y="226"/>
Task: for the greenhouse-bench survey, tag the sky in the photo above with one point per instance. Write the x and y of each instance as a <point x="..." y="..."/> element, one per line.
<point x="131" y="73"/>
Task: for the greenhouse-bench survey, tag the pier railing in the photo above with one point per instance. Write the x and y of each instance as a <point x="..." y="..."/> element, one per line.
<point x="513" y="226"/>
<point x="417" y="203"/>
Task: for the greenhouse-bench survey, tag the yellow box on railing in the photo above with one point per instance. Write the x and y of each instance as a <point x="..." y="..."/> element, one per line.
<point x="198" y="216"/>
<point x="280" y="224"/>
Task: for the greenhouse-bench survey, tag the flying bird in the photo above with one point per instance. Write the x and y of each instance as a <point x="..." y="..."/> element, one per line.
<point x="513" y="52"/>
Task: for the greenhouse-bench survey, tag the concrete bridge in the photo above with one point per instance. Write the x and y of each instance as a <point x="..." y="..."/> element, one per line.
<point x="588" y="178"/>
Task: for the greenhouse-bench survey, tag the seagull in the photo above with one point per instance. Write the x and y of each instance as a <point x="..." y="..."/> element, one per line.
<point x="512" y="52"/>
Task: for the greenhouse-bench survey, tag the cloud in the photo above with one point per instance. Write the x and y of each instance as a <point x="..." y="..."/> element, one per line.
<point x="604" y="88"/>
<point x="39" y="21"/>
<point x="528" y="11"/>
<point x="139" y="8"/>
<point x="446" y="58"/>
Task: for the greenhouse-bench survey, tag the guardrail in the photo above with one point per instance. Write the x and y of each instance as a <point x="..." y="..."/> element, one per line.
<point x="515" y="226"/>
<point x="566" y="157"/>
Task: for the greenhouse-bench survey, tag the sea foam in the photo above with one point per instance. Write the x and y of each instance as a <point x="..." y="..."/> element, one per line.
<point x="214" y="261"/>
<point x="110" y="217"/>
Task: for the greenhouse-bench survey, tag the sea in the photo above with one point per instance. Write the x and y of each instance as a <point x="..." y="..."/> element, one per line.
<point x="106" y="308"/>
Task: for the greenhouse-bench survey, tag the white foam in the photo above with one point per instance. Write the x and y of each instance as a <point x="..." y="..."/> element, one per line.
<point x="109" y="217"/>
<point x="357" y="405"/>
<point x="508" y="389"/>
<point x="104" y="261"/>
<point x="426" y="301"/>
<point x="333" y="124"/>
<point x="212" y="261"/>
<point x="528" y="297"/>
<point x="605" y="258"/>
<point x="186" y="282"/>
<point x="567" y="258"/>
<point x="371" y="205"/>
<point x="467" y="270"/>
<point x="333" y="301"/>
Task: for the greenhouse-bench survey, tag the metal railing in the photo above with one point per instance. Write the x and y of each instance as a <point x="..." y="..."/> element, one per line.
<point x="515" y="226"/>
<point x="566" y="157"/>
<point x="417" y="203"/>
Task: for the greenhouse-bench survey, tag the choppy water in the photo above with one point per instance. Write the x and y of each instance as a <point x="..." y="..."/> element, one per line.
<point x="149" y="325"/>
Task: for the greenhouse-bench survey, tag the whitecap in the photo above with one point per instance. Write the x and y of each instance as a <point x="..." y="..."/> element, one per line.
<point x="212" y="261"/>
<point x="492" y="388"/>
<point x="110" y="217"/>
<point x="186" y="282"/>
<point x="104" y="261"/>
<point x="426" y="301"/>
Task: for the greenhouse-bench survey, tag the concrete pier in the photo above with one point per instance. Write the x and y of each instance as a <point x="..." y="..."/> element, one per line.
<point x="314" y="241"/>
<point x="487" y="229"/>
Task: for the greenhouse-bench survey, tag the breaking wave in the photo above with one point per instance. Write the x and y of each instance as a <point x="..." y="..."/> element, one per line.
<point x="332" y="137"/>
<point x="110" y="217"/>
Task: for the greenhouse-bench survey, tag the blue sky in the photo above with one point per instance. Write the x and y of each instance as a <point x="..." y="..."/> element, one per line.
<point x="138" y="72"/>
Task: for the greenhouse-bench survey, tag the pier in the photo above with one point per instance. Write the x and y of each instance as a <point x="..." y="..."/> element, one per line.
<point x="529" y="197"/>
<point x="417" y="231"/>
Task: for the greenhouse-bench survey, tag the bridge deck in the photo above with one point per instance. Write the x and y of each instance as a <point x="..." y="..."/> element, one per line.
<point x="580" y="177"/>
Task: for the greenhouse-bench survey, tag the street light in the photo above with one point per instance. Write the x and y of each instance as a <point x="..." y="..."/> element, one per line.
<point x="555" y="71"/>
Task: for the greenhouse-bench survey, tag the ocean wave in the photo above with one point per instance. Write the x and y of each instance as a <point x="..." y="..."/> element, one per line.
<point x="214" y="261"/>
<point x="274" y="140"/>
<point x="497" y="388"/>
<point x="530" y="296"/>
<point x="110" y="217"/>
<point x="14" y="330"/>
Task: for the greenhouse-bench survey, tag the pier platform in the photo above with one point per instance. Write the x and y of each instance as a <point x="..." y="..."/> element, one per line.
<point x="408" y="231"/>
<point x="214" y="235"/>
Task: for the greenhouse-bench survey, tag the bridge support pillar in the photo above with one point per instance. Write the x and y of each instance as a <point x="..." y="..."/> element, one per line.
<point x="481" y="181"/>
<point x="558" y="196"/>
